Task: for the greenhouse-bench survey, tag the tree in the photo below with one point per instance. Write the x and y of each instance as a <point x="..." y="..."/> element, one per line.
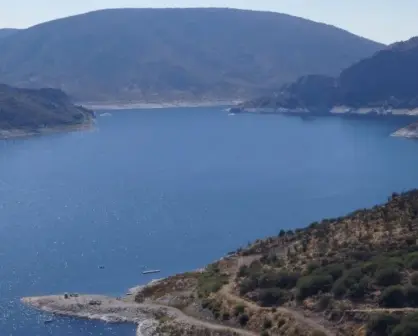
<point x="393" y="297"/>
<point x="381" y="325"/>
<point x="311" y="285"/>
<point x="388" y="277"/>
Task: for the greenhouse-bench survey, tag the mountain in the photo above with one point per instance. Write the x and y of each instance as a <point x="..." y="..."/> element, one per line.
<point x="169" y="54"/>
<point x="387" y="80"/>
<point x="5" y="32"/>
<point x="28" y="111"/>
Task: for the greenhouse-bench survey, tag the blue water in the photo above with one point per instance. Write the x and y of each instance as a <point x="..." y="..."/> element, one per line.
<point x="174" y="189"/>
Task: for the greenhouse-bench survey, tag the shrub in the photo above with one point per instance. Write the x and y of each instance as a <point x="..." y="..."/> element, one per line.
<point x="412" y="260"/>
<point x="359" y="290"/>
<point x="413" y="263"/>
<point x="226" y="316"/>
<point x="335" y="270"/>
<point x="324" y="302"/>
<point x="350" y="282"/>
<point x="243" y="319"/>
<point x="271" y="297"/>
<point x="243" y="271"/>
<point x="267" y="324"/>
<point x="381" y="325"/>
<point x="211" y="280"/>
<point x="239" y="309"/>
<point x="311" y="285"/>
<point x="312" y="267"/>
<point x="388" y="277"/>
<point x="407" y="327"/>
<point x="393" y="297"/>
<point x="286" y="280"/>
<point x="265" y="333"/>
<point x="411" y="293"/>
<point x="339" y="289"/>
<point x="414" y="279"/>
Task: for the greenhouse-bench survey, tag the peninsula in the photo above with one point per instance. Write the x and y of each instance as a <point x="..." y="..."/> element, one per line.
<point x="349" y="276"/>
<point x="385" y="84"/>
<point x="25" y="112"/>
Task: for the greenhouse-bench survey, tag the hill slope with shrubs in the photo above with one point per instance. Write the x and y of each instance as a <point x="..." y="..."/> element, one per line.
<point x="353" y="275"/>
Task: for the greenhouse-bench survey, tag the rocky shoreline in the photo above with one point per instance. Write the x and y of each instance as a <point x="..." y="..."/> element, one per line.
<point x="26" y="133"/>
<point x="157" y="105"/>
<point x="152" y="318"/>
<point x="410" y="131"/>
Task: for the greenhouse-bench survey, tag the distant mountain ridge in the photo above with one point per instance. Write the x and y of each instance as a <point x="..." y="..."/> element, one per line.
<point x="30" y="111"/>
<point x="175" y="54"/>
<point x="387" y="80"/>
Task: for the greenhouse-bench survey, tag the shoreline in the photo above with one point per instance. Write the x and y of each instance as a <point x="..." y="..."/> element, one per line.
<point x="156" y="105"/>
<point x="17" y="133"/>
<point x="148" y="316"/>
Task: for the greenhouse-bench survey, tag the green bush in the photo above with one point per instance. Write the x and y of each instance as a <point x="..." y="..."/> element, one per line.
<point x="381" y="325"/>
<point x="312" y="285"/>
<point x="388" y="277"/>
<point x="407" y="327"/>
<point x="239" y="309"/>
<point x="312" y="267"/>
<point x="272" y="297"/>
<point x="324" y="302"/>
<point x="414" y="279"/>
<point x="243" y="271"/>
<point x="267" y="324"/>
<point x="393" y="297"/>
<point x="359" y="289"/>
<point x="413" y="264"/>
<point x="286" y="280"/>
<point x="412" y="260"/>
<point x="411" y="293"/>
<point x="335" y="270"/>
<point x="243" y="319"/>
<point x="339" y="289"/>
<point x="226" y="316"/>
<point x="351" y="283"/>
<point x="210" y="281"/>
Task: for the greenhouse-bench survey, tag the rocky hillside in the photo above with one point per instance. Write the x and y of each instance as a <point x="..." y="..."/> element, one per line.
<point x="169" y="54"/>
<point x="355" y="275"/>
<point x="30" y="110"/>
<point x="387" y="79"/>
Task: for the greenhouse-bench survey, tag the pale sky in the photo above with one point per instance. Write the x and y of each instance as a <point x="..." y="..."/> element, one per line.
<point x="381" y="20"/>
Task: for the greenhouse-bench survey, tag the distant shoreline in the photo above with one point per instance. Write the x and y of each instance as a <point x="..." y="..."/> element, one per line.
<point x="156" y="105"/>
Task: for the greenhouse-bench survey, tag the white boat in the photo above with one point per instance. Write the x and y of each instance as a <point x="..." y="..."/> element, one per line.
<point x="151" y="272"/>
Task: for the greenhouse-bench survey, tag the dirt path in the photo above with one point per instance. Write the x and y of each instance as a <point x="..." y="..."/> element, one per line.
<point x="226" y="291"/>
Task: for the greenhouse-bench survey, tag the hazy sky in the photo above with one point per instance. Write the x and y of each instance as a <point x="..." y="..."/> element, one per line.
<point x="382" y="20"/>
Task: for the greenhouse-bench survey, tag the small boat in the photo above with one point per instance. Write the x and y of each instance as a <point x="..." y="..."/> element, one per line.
<point x="49" y="321"/>
<point x="151" y="272"/>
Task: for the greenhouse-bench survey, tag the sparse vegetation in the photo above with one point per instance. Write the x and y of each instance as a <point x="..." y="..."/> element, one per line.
<point x="211" y="280"/>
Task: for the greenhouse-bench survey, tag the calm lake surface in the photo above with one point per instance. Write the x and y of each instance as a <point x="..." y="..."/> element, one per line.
<point x="174" y="189"/>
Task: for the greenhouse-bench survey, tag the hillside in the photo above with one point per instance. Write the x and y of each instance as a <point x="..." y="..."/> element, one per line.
<point x="355" y="275"/>
<point x="28" y="111"/>
<point x="388" y="80"/>
<point x="5" y="32"/>
<point x="174" y="54"/>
